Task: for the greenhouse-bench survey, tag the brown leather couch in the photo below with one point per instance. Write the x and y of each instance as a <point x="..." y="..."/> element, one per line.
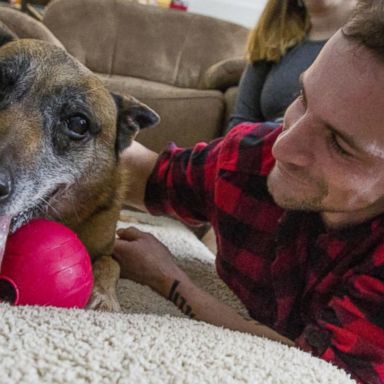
<point x="185" y="66"/>
<point x="180" y="64"/>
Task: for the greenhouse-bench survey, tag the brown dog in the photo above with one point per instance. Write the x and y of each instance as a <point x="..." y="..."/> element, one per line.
<point x="61" y="133"/>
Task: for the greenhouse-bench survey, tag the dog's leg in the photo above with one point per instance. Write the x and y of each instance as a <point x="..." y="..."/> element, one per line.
<point x="106" y="273"/>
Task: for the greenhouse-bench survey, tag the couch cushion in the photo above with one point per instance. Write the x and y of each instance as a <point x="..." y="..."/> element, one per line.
<point x="25" y="26"/>
<point x="143" y="88"/>
<point x="224" y="74"/>
<point x="187" y="115"/>
<point x="125" y="38"/>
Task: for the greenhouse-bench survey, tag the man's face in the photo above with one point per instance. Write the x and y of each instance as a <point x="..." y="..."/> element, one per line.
<point x="330" y="155"/>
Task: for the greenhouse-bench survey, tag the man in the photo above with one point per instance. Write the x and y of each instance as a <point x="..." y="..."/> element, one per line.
<point x="298" y="211"/>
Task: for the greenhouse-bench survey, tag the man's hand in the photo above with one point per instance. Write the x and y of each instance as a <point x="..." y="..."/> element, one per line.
<point x="146" y="260"/>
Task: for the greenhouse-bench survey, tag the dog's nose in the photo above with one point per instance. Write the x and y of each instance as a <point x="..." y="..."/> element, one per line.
<point x="5" y="184"/>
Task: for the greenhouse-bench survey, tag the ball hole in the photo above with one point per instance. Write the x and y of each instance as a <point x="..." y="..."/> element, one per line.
<point x="7" y="292"/>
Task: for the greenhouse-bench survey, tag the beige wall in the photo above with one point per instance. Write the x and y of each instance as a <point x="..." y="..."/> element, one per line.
<point x="243" y="12"/>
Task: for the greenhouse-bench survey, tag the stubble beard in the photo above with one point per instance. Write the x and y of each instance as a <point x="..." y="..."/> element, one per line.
<point x="312" y="203"/>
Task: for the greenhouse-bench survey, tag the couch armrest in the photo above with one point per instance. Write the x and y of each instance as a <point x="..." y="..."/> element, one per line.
<point x="224" y="74"/>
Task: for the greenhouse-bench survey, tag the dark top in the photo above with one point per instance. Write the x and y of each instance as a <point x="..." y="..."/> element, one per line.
<point x="322" y="288"/>
<point x="267" y="88"/>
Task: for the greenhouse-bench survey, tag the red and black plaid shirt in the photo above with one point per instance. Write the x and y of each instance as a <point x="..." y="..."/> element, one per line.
<point x="324" y="289"/>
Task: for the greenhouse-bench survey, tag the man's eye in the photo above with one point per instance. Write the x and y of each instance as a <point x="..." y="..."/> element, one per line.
<point x="336" y="146"/>
<point x="76" y="127"/>
<point x="301" y="98"/>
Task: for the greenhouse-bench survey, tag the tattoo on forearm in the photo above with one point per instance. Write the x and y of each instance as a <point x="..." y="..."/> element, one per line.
<point x="179" y="300"/>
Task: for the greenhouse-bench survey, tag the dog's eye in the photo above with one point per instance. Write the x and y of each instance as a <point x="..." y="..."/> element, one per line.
<point x="8" y="78"/>
<point x="76" y="127"/>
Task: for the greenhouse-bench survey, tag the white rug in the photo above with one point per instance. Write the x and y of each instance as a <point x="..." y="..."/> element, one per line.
<point x="152" y="342"/>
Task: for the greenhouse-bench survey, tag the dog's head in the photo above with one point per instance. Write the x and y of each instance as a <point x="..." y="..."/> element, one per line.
<point x="59" y="128"/>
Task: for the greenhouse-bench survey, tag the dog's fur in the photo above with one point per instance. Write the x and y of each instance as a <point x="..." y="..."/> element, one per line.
<point x="61" y="133"/>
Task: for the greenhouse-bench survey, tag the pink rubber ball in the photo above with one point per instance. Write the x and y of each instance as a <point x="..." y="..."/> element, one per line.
<point x="45" y="263"/>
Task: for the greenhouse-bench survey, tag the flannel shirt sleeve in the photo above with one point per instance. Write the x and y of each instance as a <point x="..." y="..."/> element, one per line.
<point x="350" y="332"/>
<point x="182" y="182"/>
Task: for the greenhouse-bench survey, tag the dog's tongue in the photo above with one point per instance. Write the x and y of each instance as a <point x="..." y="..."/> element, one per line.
<point x="5" y="222"/>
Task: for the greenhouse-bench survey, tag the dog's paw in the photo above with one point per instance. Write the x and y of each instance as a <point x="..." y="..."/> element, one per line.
<point x="102" y="300"/>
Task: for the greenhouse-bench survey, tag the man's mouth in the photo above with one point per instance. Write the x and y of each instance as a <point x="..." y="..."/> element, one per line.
<point x="292" y="176"/>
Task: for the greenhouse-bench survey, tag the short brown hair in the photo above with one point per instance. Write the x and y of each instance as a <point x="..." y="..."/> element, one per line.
<point x="282" y="24"/>
<point x="366" y="26"/>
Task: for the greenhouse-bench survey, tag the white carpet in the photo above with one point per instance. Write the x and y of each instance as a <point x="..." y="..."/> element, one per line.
<point x="152" y="342"/>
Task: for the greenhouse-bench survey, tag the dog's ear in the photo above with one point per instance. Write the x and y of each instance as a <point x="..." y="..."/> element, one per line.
<point x="6" y="35"/>
<point x="131" y="117"/>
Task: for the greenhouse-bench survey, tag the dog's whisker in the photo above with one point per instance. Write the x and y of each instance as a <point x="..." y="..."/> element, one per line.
<point x="47" y="204"/>
<point x="74" y="209"/>
<point x="71" y="198"/>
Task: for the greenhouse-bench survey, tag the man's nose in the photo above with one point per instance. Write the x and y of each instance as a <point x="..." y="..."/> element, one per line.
<point x="294" y="146"/>
<point x="5" y="184"/>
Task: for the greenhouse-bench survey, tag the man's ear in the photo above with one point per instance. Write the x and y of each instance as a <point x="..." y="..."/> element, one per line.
<point x="131" y="117"/>
<point x="6" y="35"/>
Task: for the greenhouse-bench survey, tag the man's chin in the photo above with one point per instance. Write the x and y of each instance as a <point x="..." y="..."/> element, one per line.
<point x="293" y="201"/>
<point x="298" y="205"/>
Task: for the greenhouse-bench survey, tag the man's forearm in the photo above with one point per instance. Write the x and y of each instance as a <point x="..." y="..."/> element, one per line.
<point x="198" y="304"/>
<point x="144" y="259"/>
<point x="139" y="162"/>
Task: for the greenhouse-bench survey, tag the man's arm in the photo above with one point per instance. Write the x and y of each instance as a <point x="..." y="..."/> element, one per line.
<point x="198" y="304"/>
<point x="145" y="260"/>
<point x="139" y="162"/>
